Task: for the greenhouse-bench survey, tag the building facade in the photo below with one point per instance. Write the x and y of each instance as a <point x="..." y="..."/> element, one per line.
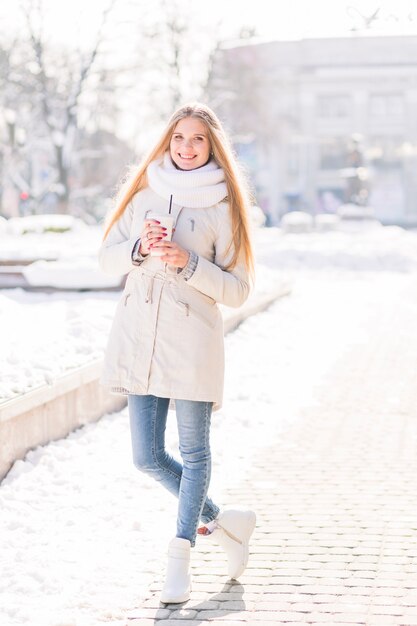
<point x="304" y="113"/>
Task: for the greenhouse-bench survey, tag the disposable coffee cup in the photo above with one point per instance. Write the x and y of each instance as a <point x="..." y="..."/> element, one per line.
<point x="167" y="221"/>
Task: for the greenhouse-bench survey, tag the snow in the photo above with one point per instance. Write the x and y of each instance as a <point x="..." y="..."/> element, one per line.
<point x="82" y="532"/>
<point x="78" y="273"/>
<point x="63" y="248"/>
<point x="297" y="222"/>
<point x="59" y="332"/>
<point x="367" y="247"/>
<point x="48" y="237"/>
<point x="44" y="223"/>
<point x="56" y="333"/>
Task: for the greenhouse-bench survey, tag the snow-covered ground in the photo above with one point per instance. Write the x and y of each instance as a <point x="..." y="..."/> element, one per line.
<point x="55" y="333"/>
<point x="47" y="237"/>
<point x="61" y="248"/>
<point x="82" y="533"/>
<point x="52" y="334"/>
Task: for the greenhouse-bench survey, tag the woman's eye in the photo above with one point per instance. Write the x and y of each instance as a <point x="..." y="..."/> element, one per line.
<point x="181" y="138"/>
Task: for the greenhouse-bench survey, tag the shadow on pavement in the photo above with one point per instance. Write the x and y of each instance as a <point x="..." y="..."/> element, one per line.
<point x="232" y="591"/>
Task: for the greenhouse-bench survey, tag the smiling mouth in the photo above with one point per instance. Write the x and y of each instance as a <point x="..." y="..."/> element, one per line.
<point x="187" y="157"/>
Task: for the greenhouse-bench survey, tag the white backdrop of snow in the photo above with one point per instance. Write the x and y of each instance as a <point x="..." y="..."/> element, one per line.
<point x="82" y="533"/>
<point x="54" y="333"/>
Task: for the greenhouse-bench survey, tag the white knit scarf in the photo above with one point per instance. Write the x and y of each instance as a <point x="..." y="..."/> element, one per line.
<point x="195" y="189"/>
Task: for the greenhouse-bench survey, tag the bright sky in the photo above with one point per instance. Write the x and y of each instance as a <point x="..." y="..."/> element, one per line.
<point x="306" y="18"/>
<point x="273" y="19"/>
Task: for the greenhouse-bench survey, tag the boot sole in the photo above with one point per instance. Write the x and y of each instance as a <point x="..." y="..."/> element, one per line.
<point x="250" y="527"/>
<point x="178" y="600"/>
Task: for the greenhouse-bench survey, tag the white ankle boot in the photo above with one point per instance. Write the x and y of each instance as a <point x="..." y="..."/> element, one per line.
<point x="177" y="585"/>
<point x="234" y="529"/>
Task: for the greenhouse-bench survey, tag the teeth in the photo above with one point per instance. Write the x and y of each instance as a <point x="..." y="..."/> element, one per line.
<point x="186" y="156"/>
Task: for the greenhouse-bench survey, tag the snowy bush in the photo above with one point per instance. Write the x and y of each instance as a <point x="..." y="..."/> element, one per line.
<point x="257" y="216"/>
<point x="355" y="212"/>
<point x="50" y="223"/>
<point x="326" y="221"/>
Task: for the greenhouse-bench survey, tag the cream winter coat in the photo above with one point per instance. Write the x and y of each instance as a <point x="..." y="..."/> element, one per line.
<point x="167" y="333"/>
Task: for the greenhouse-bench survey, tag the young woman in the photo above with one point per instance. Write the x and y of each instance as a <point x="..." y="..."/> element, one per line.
<point x="166" y="342"/>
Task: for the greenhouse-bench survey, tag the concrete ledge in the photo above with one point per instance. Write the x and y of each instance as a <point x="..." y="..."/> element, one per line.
<point x="47" y="393"/>
<point x="52" y="411"/>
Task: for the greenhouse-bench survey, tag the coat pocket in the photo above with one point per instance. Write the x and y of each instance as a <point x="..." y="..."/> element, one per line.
<point x="209" y="317"/>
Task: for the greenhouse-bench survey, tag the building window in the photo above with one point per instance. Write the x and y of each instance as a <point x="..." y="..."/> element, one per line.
<point x="386" y="106"/>
<point x="293" y="158"/>
<point x="385" y="152"/>
<point x="333" y="106"/>
<point x="332" y="154"/>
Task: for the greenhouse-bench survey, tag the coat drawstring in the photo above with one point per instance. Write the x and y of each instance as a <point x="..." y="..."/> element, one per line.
<point x="149" y="291"/>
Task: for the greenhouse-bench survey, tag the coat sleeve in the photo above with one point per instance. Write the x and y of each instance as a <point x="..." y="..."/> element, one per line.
<point x="115" y="253"/>
<point x="226" y="287"/>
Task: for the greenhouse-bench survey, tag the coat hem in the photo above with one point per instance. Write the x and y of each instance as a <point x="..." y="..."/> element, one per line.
<point x="120" y="389"/>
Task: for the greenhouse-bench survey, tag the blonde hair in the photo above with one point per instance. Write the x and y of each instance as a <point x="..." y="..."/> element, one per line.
<point x="238" y="195"/>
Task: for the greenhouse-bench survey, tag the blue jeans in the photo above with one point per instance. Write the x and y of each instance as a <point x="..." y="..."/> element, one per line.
<point x="189" y="481"/>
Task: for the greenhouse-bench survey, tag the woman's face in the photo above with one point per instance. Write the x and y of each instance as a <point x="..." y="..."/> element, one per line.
<point x="189" y="146"/>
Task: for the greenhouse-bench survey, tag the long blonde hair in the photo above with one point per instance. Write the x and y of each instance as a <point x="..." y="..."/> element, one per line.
<point x="238" y="195"/>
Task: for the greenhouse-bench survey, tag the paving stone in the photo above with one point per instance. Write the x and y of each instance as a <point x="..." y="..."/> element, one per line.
<point x="220" y="614"/>
<point x="179" y="622"/>
<point x="204" y="605"/>
<point x="143" y="612"/>
<point x="336" y="540"/>
<point x="238" y="605"/>
<point x="384" y="620"/>
<point x="185" y="614"/>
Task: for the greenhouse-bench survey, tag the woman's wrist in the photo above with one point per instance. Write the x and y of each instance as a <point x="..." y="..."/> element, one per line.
<point x="137" y="257"/>
<point x="188" y="270"/>
<point x="187" y="260"/>
<point x="142" y="250"/>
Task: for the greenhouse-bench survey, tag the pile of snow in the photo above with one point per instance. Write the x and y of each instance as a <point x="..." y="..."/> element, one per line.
<point x="324" y="222"/>
<point x="297" y="222"/>
<point x="78" y="273"/>
<point x="357" y="247"/>
<point x="48" y="237"/>
<point x="52" y="334"/>
<point x="354" y="212"/>
<point x="63" y="250"/>
<point x="257" y="216"/>
<point x="55" y="223"/>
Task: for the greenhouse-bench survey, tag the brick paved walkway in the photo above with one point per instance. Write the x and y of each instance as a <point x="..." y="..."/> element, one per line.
<point x="336" y="498"/>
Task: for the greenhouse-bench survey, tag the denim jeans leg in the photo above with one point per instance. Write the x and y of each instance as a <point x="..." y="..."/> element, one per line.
<point x="193" y="420"/>
<point x="148" y="418"/>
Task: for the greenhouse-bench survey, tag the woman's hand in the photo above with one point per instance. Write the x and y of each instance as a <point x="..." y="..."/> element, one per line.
<point x="173" y="253"/>
<point x="152" y="233"/>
